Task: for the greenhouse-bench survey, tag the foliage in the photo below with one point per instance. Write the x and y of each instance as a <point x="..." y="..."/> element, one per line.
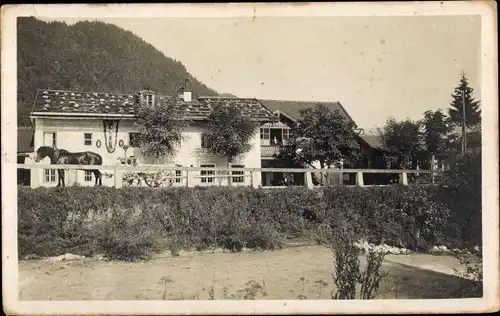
<point x="371" y="277"/>
<point x="346" y="265"/>
<point x="229" y="132"/>
<point x="124" y="237"/>
<point x="160" y="128"/>
<point x="86" y="220"/>
<point x="91" y="56"/>
<point x="463" y="92"/>
<point x="461" y="189"/>
<point x="321" y="135"/>
<point x="253" y="289"/>
<point x="436" y="134"/>
<point x="473" y="263"/>
<point x="348" y="274"/>
<point x="402" y="141"/>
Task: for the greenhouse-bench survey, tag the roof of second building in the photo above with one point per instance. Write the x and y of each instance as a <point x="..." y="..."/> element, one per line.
<point x="372" y="140"/>
<point x="293" y="108"/>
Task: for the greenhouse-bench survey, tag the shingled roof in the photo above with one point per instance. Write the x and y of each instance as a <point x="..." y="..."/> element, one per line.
<point x="372" y="140"/>
<point x="100" y="104"/>
<point x="293" y="108"/>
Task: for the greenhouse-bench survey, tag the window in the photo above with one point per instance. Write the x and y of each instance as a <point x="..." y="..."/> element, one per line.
<point x="239" y="174"/>
<point x="133" y="139"/>
<point x="265" y="133"/>
<point x="49" y="139"/>
<point x="265" y="136"/>
<point x="88" y="176"/>
<point x="149" y="99"/>
<point x="285" y="135"/>
<point x="87" y="139"/>
<point x="49" y="175"/>
<point x="207" y="173"/>
<point x="205" y="143"/>
<point x="178" y="174"/>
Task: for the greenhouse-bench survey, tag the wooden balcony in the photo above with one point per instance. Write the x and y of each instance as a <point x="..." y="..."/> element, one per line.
<point x="267" y="152"/>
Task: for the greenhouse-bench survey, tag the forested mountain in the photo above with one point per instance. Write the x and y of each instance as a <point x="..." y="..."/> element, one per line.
<point x="91" y="56"/>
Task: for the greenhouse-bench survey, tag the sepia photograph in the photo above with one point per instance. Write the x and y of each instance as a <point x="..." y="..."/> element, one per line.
<point x="313" y="158"/>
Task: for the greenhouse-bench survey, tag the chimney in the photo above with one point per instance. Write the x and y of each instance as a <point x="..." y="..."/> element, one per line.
<point x="187" y="93"/>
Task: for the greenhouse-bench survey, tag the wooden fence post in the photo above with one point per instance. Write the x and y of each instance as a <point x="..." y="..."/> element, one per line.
<point x="309" y="182"/>
<point x="36" y="174"/>
<point x="403" y="178"/>
<point x="118" y="178"/>
<point x="254" y="182"/>
<point x="359" y="179"/>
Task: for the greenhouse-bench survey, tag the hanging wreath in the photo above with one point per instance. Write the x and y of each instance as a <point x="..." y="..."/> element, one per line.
<point x="120" y="143"/>
<point x="108" y="135"/>
<point x="98" y="143"/>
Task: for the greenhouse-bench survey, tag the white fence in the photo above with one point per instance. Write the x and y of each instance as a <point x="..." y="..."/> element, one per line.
<point x="124" y="175"/>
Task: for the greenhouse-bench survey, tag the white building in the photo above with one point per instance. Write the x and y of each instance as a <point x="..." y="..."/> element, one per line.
<point x="104" y="123"/>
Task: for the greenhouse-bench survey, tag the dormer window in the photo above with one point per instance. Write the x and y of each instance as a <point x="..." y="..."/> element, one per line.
<point x="148" y="97"/>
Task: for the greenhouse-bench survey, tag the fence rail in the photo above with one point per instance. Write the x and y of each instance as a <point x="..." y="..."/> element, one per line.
<point x="191" y="175"/>
<point x="144" y="167"/>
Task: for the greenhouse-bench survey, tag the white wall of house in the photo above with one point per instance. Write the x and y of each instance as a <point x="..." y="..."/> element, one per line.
<point x="69" y="134"/>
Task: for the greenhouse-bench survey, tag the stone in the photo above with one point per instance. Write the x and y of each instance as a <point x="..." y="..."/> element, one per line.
<point x="65" y="257"/>
<point x="443" y="248"/>
<point x="435" y="249"/>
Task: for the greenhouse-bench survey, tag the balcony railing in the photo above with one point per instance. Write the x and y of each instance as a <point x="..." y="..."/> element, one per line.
<point x="268" y="151"/>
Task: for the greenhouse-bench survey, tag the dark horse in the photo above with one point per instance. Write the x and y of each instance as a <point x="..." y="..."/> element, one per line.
<point x="64" y="157"/>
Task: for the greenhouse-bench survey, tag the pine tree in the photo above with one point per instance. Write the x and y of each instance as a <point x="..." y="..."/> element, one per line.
<point x="472" y="110"/>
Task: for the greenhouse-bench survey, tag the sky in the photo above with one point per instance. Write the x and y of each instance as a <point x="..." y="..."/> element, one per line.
<point x="377" y="67"/>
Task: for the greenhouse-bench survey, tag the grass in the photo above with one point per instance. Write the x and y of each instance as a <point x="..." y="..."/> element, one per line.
<point x="291" y="273"/>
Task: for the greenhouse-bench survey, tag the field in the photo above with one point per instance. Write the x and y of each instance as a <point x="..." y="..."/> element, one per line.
<point x="290" y="273"/>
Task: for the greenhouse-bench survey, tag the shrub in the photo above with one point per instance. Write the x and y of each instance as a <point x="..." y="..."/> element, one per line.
<point x="347" y="273"/>
<point x="346" y="265"/>
<point x="124" y="237"/>
<point x="84" y="220"/>
<point x="401" y="216"/>
<point x="461" y="190"/>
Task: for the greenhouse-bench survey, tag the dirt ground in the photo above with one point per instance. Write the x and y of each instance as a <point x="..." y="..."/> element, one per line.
<point x="291" y="273"/>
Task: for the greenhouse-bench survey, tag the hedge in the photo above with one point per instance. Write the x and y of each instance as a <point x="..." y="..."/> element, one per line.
<point x="133" y="223"/>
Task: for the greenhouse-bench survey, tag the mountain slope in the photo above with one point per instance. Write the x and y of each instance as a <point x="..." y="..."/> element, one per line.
<point x="91" y="56"/>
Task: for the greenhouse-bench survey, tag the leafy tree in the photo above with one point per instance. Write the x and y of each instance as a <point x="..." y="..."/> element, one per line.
<point x="402" y="142"/>
<point x="229" y="132"/>
<point x="436" y="134"/>
<point x="472" y="110"/>
<point x="160" y="128"/>
<point x="321" y="135"/>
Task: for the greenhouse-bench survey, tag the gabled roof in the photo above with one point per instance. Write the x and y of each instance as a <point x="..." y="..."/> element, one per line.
<point x="372" y="140"/>
<point x="293" y="108"/>
<point x="25" y="139"/>
<point x="100" y="104"/>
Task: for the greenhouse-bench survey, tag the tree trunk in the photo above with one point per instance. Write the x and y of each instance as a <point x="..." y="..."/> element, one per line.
<point x="322" y="174"/>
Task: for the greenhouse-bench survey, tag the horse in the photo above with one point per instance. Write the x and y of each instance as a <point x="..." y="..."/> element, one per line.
<point x="64" y="157"/>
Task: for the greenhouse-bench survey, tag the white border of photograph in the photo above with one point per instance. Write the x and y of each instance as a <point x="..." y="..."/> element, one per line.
<point x="490" y="171"/>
